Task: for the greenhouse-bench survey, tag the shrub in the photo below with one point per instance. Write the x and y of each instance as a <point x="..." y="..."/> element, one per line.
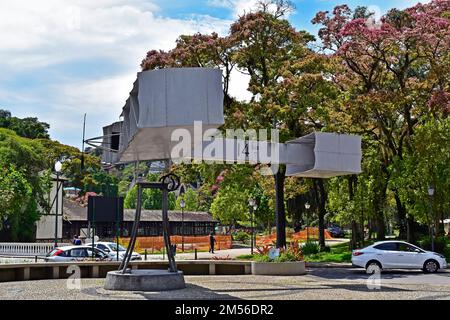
<point x="291" y="254"/>
<point x="261" y="258"/>
<point x="264" y="249"/>
<point x="241" y="236"/>
<point x="286" y="257"/>
<point x="440" y="244"/>
<point x="310" y="247"/>
<point x="296" y="250"/>
<point x="325" y="249"/>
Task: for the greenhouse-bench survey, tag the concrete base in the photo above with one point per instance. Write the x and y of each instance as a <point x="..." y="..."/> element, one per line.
<point x="279" y="268"/>
<point x="145" y="280"/>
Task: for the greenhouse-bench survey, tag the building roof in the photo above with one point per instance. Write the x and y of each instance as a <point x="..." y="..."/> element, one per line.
<point x="74" y="212"/>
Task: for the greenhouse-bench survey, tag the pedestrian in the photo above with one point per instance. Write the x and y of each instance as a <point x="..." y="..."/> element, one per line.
<point x="212" y="241"/>
<point x="77" y="241"/>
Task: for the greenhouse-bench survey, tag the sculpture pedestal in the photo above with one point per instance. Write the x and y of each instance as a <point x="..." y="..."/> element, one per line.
<point x="145" y="280"/>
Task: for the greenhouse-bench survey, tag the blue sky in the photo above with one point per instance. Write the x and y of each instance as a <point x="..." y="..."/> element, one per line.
<point x="60" y="59"/>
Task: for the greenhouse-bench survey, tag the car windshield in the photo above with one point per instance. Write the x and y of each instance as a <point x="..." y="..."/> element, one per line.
<point x="113" y="247"/>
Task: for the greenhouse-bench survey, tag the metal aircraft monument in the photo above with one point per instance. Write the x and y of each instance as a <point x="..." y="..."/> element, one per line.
<point x="173" y="114"/>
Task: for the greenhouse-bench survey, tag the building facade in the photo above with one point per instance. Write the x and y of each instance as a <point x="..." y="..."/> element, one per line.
<point x="188" y="223"/>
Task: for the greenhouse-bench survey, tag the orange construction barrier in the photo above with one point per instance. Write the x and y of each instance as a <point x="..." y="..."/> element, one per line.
<point x="311" y="233"/>
<point x="190" y="242"/>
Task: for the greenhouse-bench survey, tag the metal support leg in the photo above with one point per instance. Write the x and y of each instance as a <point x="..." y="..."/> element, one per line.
<point x="127" y="257"/>
<point x="166" y="230"/>
<point x="168" y="183"/>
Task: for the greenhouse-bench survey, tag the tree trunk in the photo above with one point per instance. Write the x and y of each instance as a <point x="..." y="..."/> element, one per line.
<point x="369" y="235"/>
<point x="401" y="217"/>
<point x="410" y="229"/>
<point x="361" y="225"/>
<point x="379" y="204"/>
<point x="321" y="198"/>
<point x="279" y="207"/>
<point x="354" y="225"/>
<point x="354" y="241"/>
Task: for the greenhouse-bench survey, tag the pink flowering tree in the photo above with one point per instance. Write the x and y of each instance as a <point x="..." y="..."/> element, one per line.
<point x="393" y="76"/>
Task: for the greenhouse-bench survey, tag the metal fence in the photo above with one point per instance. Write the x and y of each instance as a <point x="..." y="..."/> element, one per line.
<point x="26" y="249"/>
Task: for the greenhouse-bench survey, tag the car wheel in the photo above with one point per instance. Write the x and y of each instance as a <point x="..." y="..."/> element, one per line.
<point x="430" y="266"/>
<point x="373" y="267"/>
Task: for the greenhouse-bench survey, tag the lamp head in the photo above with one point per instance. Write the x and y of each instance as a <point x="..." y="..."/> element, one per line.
<point x="182" y="204"/>
<point x="251" y="202"/>
<point x="307" y="206"/>
<point x="58" y="166"/>
<point x="430" y="190"/>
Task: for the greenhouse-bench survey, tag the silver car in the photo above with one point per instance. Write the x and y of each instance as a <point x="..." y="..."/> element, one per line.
<point x="113" y="250"/>
<point x="397" y="255"/>
<point x="76" y="253"/>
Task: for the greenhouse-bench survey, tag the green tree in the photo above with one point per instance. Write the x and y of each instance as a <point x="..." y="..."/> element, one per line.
<point x="151" y="198"/>
<point x="191" y="199"/>
<point x="230" y="205"/>
<point x="390" y="77"/>
<point x="23" y="187"/>
<point x="427" y="165"/>
<point x="27" y="127"/>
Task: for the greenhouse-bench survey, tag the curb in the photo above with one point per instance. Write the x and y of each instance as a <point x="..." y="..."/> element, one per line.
<point x="328" y="265"/>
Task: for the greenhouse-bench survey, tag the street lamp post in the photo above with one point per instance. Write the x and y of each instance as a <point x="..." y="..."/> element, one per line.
<point x="58" y="168"/>
<point x="252" y="204"/>
<point x="431" y="193"/>
<point x="255" y="206"/>
<point x="182" y="205"/>
<point x="307" y="206"/>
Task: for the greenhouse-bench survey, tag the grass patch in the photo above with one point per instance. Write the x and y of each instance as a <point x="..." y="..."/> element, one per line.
<point x="245" y="257"/>
<point x="337" y="253"/>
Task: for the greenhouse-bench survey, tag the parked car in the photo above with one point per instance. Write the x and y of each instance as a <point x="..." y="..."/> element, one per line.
<point x="76" y="253"/>
<point x="110" y="248"/>
<point x="397" y="255"/>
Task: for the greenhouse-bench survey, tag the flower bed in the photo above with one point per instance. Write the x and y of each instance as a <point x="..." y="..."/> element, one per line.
<point x="282" y="262"/>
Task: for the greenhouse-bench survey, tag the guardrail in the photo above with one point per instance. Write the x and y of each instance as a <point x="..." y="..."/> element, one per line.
<point x="26" y="249"/>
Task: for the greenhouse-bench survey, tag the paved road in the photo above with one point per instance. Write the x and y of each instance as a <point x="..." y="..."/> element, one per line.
<point x="403" y="277"/>
<point x="319" y="283"/>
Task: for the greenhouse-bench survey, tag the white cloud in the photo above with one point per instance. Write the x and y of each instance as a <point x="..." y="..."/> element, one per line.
<point x="39" y="35"/>
<point x="47" y="32"/>
<point x="239" y="85"/>
<point x="237" y="7"/>
<point x="243" y="6"/>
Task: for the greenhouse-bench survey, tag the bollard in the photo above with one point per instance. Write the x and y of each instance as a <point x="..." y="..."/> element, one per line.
<point x="35" y="259"/>
<point x="145" y="254"/>
<point x="195" y="253"/>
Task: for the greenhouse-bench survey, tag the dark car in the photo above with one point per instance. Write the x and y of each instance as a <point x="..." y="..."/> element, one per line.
<point x="336" y="232"/>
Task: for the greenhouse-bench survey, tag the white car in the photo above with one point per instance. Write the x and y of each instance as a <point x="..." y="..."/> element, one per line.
<point x="397" y="255"/>
<point x="110" y="248"/>
<point x="76" y="253"/>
